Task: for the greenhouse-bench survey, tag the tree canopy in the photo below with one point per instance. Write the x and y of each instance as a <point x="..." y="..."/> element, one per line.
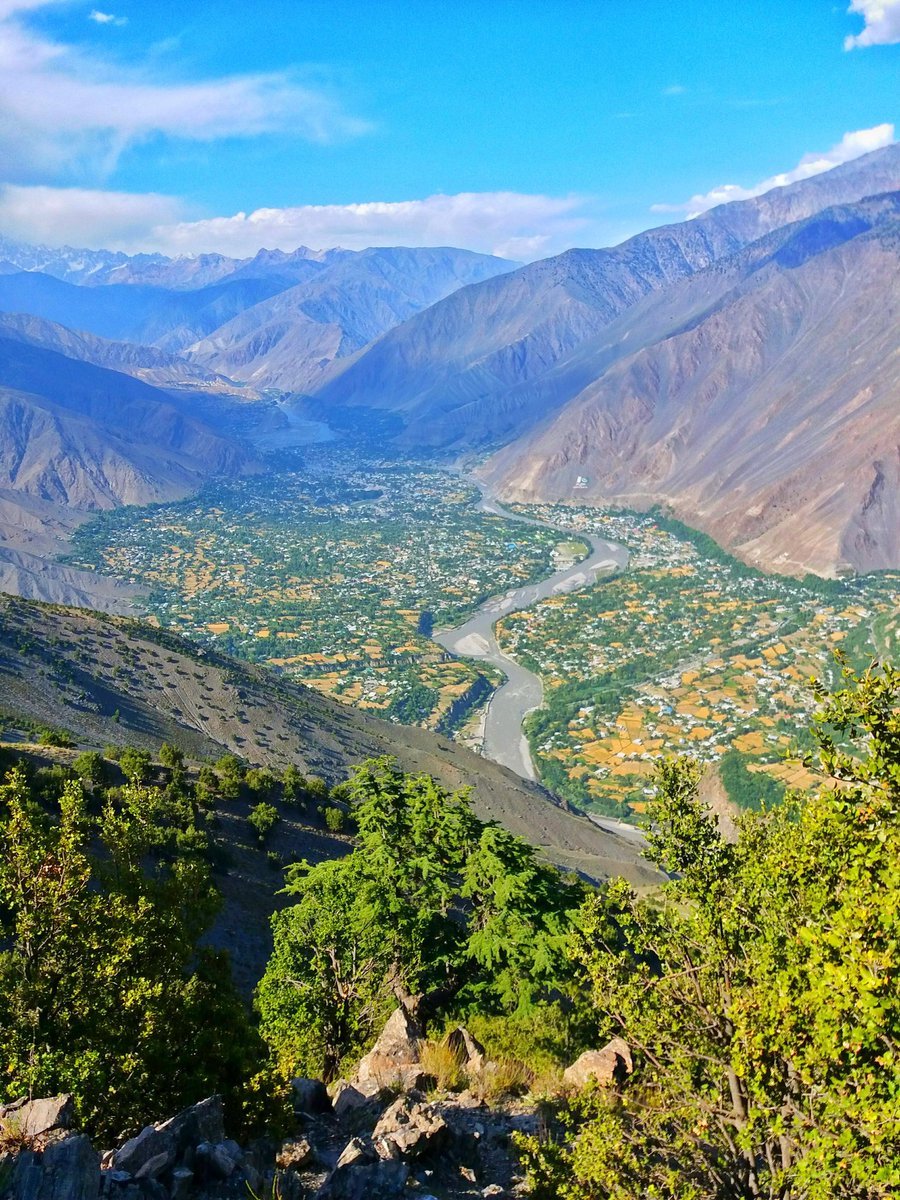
<point x="759" y="992"/>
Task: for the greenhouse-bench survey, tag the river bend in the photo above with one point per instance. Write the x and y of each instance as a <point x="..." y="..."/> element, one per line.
<point x="504" y="738"/>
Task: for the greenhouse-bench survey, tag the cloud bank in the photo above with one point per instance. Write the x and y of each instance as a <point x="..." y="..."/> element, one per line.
<point x="510" y="224"/>
<point x="63" y="111"/>
<point x="882" y="23"/>
<point x="851" y="145"/>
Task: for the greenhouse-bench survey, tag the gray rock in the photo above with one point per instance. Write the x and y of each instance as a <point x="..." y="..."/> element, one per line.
<point x="156" y="1166"/>
<point x="372" y="1181"/>
<point x="394" y="1059"/>
<point x="70" y="1170"/>
<point x="310" y="1096"/>
<point x="346" y="1099"/>
<point x="149" y="1143"/>
<point x="293" y="1155"/>
<point x="356" y="1151"/>
<point x="182" y="1183"/>
<point x="202" y="1122"/>
<point x="409" y="1129"/>
<point x="215" y="1160"/>
<point x="468" y="1049"/>
<point x="32" y="1118"/>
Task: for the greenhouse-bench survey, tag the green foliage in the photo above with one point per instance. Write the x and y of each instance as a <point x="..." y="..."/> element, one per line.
<point x="263" y="817"/>
<point x="747" y="789"/>
<point x="293" y="786"/>
<point x="104" y="988"/>
<point x="334" y="818"/>
<point x="231" y="776"/>
<point x="171" y="756"/>
<point x="759" y="993"/>
<point x="432" y="901"/>
<point x="136" y="764"/>
<point x="55" y="737"/>
<point x="90" y="766"/>
<point x="260" y="782"/>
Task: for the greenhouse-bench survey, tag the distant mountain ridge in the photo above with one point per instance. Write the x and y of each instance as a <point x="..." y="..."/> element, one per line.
<point x="460" y="371"/>
<point x="767" y="415"/>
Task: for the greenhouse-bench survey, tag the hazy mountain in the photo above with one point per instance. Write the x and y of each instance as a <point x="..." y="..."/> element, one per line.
<point x="148" y="363"/>
<point x="758" y="398"/>
<point x="276" y="319"/>
<point x="288" y="340"/>
<point x="96" y="268"/>
<point x="457" y="370"/>
<point x="79" y="435"/>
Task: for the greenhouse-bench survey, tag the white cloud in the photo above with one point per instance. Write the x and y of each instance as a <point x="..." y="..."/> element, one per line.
<point x="104" y="18"/>
<point x="851" y="145"/>
<point x="676" y="89"/>
<point x="82" y="216"/>
<point x="64" y="111"/>
<point x="881" y="23"/>
<point x="511" y="224"/>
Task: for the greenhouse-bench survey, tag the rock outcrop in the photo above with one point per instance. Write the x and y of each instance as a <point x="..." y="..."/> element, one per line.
<point x="608" y="1066"/>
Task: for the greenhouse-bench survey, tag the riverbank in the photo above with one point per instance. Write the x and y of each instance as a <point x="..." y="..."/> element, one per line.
<point x="504" y="738"/>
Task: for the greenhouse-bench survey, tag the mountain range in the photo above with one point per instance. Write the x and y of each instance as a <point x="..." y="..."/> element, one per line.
<point x="740" y="368"/>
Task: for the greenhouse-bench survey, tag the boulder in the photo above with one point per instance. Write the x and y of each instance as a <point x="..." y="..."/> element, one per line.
<point x="310" y="1096"/>
<point x="202" y="1122"/>
<point x="467" y="1049"/>
<point x="31" y="1119"/>
<point x="409" y="1129"/>
<point x="217" y="1160"/>
<point x="67" y="1170"/>
<point x="356" y="1151"/>
<point x="294" y="1155"/>
<point x="609" y="1066"/>
<point x="347" y="1099"/>
<point x="394" y="1059"/>
<point x="367" y="1181"/>
<point x="182" y="1183"/>
<point x="150" y="1143"/>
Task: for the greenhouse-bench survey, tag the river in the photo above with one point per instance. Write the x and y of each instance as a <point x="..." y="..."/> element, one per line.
<point x="504" y="739"/>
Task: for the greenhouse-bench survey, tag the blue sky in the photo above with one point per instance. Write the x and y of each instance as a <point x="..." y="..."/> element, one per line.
<point x="516" y="126"/>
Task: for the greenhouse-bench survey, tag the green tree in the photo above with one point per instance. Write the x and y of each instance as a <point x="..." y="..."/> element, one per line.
<point x="91" y="767"/>
<point x="293" y="785"/>
<point x="263" y="817"/>
<point x="105" y="990"/>
<point x="171" y="756"/>
<point x="136" y="764"/>
<point x="432" y="901"/>
<point x="759" y="993"/>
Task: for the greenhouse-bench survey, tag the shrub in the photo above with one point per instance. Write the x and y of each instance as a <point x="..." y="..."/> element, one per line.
<point x="263" y="817"/>
<point x="334" y="819"/>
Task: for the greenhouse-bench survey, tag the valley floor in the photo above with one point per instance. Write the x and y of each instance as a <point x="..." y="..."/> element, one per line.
<point x="336" y="568"/>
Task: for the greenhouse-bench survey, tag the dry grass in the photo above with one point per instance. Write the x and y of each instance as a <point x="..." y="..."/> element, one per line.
<point x="12" y="1136"/>
<point x="443" y="1065"/>
<point x="548" y="1084"/>
<point x="507" y="1077"/>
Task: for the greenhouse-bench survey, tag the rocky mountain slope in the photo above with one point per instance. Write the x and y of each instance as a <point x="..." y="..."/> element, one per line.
<point x="460" y="372"/>
<point x="767" y="416"/>
<point x="111" y="680"/>
<point x="290" y="339"/>
<point x="334" y="302"/>
<point x="86" y="437"/>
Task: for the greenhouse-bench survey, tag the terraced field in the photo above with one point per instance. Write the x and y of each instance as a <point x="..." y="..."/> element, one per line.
<point x="688" y="651"/>
<point x="333" y="570"/>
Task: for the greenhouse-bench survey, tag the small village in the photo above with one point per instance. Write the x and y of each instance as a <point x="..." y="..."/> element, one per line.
<point x="681" y="654"/>
<point x="334" y="571"/>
